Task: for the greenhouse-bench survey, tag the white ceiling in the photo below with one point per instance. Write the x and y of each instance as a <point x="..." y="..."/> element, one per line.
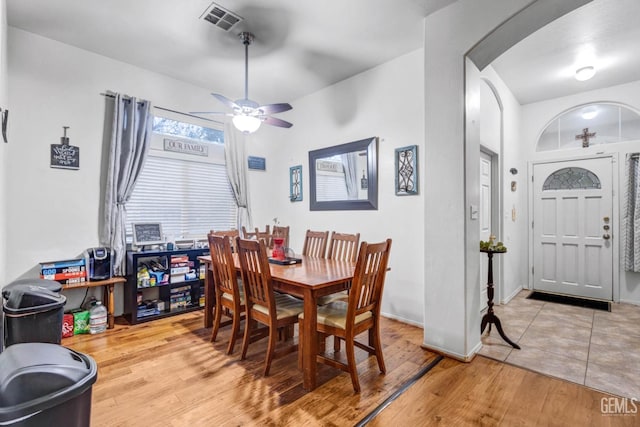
<point x="300" y="47"/>
<point x="542" y="66"/>
<point x="303" y="46"/>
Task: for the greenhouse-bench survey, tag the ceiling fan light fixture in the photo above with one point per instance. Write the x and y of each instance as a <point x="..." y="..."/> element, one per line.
<point x="585" y="73"/>
<point x="246" y="124"/>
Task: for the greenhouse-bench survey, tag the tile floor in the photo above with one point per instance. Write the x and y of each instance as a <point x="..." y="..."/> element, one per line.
<point x="595" y="348"/>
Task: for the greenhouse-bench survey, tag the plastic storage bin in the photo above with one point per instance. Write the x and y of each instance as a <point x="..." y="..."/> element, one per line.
<point x="44" y="384"/>
<point x="32" y="314"/>
<point x="52" y="285"/>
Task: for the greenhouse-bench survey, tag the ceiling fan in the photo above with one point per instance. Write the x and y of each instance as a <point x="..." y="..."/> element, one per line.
<point x="248" y="115"/>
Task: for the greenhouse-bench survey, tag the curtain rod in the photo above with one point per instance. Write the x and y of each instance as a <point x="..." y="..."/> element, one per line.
<point x="128" y="98"/>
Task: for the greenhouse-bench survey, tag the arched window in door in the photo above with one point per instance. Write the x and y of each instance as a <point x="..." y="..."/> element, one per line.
<point x="598" y="123"/>
<point x="571" y="179"/>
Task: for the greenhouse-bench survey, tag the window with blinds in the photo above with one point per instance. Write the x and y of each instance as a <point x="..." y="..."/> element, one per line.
<point x="188" y="193"/>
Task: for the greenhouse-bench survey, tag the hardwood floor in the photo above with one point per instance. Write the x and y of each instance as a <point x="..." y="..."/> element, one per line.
<point x="167" y="373"/>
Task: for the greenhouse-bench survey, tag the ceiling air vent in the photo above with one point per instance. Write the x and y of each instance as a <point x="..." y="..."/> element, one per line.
<point x="221" y="17"/>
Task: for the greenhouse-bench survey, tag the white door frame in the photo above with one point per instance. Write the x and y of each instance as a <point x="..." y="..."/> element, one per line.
<point x="616" y="219"/>
<point x="496" y="224"/>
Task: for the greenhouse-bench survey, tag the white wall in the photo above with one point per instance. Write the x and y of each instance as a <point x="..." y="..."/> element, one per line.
<point x="53" y="213"/>
<point x="387" y="102"/>
<point x="514" y="203"/>
<point x="452" y="322"/>
<point x="537" y="115"/>
<point x="3" y="147"/>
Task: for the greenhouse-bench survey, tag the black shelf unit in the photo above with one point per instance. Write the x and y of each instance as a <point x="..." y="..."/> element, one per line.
<point x="162" y="299"/>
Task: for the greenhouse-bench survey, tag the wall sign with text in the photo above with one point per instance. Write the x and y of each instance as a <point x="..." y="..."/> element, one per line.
<point x="185" y="147"/>
<point x="257" y="163"/>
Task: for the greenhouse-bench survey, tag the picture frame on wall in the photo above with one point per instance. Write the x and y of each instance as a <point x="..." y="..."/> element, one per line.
<point x="295" y="183"/>
<point x="406" y="170"/>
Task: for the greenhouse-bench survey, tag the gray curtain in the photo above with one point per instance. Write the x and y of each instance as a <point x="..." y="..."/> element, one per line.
<point x="236" y="160"/>
<point x="632" y="215"/>
<point x="129" y="145"/>
<point x="350" y="162"/>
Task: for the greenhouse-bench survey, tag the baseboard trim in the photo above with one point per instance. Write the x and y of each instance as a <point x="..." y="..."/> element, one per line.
<point x="457" y="356"/>
<point x="403" y="320"/>
<point x="515" y="292"/>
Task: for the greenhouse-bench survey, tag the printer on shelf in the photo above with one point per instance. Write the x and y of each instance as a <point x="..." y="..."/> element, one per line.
<point x="99" y="263"/>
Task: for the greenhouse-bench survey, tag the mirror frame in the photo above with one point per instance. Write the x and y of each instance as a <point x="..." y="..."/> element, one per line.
<point x="371" y="203"/>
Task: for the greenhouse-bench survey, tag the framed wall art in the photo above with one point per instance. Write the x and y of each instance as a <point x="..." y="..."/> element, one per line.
<point x="295" y="183"/>
<point x="406" y="161"/>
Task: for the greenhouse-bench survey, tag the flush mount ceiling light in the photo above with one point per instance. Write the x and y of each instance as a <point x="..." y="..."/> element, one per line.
<point x="585" y="73"/>
<point x="248" y="115"/>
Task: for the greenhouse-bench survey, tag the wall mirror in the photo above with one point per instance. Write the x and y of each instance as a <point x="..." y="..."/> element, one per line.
<point x="344" y="177"/>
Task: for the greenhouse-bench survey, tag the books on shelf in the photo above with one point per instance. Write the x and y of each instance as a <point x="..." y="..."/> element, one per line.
<point x="181" y="268"/>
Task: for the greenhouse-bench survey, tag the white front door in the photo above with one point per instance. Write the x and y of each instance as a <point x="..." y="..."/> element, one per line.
<point x="572" y="228"/>
<point x="485" y="213"/>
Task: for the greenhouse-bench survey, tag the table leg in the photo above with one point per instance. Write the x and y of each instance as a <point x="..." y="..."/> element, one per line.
<point x="490" y="316"/>
<point x="109" y="299"/>
<point x="309" y="347"/>
<point x="208" y="296"/>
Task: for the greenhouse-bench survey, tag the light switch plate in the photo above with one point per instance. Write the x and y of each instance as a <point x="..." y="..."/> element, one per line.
<point x="474" y="211"/>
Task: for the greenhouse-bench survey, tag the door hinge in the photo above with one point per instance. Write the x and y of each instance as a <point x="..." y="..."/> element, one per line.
<point x="531" y="224"/>
<point x="531" y="178"/>
<point x="532" y="271"/>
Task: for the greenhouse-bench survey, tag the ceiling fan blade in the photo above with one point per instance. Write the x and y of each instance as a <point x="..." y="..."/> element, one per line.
<point x="276" y="122"/>
<point x="274" y="108"/>
<point x="226" y="101"/>
<point x="210" y="112"/>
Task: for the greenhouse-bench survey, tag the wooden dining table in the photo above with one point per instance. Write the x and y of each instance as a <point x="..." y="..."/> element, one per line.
<point x="309" y="280"/>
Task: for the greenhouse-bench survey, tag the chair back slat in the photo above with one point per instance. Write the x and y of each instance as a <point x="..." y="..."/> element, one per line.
<point x="368" y="279"/>
<point x="343" y="247"/>
<point x="315" y="243"/>
<point x="256" y="276"/>
<point x="224" y="274"/>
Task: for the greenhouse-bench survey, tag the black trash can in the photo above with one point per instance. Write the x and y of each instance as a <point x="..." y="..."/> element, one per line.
<point x="32" y="314"/>
<point x="51" y="285"/>
<point x="45" y="384"/>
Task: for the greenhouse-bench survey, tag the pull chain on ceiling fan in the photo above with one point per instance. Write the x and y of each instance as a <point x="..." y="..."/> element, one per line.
<point x="248" y="115"/>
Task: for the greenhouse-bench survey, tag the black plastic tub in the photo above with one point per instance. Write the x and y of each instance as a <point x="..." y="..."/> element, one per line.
<point x="44" y="384"/>
<point x="32" y="314"/>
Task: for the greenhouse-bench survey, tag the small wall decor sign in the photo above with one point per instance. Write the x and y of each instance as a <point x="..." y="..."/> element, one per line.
<point x="185" y="147"/>
<point x="295" y="183"/>
<point x="63" y="155"/>
<point x="406" y="161"/>
<point x="257" y="163"/>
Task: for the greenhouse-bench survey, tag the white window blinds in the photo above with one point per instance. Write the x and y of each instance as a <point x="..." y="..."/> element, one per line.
<point x="187" y="198"/>
<point x="189" y="195"/>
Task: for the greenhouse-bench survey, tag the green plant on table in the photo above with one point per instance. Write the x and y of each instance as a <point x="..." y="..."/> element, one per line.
<point x="491" y="245"/>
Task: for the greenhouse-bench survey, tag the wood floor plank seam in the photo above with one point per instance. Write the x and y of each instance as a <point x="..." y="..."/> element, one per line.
<point x="371" y="415"/>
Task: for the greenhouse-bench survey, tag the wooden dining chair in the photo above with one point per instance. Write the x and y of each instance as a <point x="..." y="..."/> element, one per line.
<point x="346" y="320"/>
<point x="315" y="243"/>
<point x="249" y="235"/>
<point x="229" y="293"/>
<point x="263" y="304"/>
<point x="343" y="247"/>
<point x="231" y="234"/>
